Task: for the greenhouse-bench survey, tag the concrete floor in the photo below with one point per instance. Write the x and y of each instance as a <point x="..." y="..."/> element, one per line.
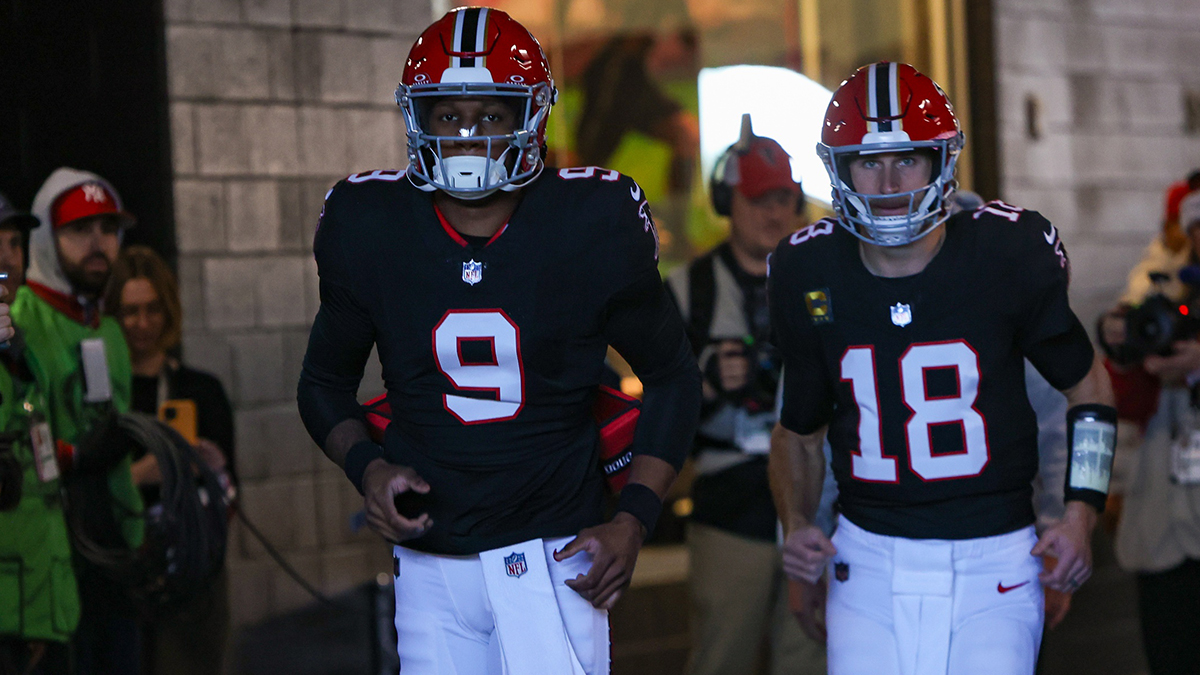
<point x="1100" y="634"/>
<point x="354" y="635"/>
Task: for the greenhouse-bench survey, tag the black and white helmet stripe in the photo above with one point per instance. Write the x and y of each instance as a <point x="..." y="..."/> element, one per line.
<point x="470" y="37"/>
<point x="883" y="99"/>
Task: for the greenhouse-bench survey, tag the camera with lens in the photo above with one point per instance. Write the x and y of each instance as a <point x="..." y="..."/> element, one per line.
<point x="1153" y="326"/>
<point x="762" y="377"/>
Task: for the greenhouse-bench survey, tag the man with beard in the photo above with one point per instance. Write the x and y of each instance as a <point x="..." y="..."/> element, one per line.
<point x="82" y="363"/>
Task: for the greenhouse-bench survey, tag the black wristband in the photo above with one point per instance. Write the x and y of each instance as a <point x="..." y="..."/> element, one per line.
<point x="1091" y="444"/>
<point x="642" y="503"/>
<point x="1095" y="498"/>
<point x="358" y="457"/>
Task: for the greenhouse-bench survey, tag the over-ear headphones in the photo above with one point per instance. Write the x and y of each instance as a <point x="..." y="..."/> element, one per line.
<point x="720" y="185"/>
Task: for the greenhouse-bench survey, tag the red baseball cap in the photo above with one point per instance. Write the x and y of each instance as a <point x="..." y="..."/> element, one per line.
<point x="93" y="198"/>
<point x="762" y="167"/>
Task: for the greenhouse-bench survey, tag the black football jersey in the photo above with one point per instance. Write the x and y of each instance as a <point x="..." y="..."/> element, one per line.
<point x="492" y="350"/>
<point x="920" y="379"/>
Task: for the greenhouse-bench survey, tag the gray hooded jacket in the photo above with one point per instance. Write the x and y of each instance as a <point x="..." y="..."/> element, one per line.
<point x="44" y="267"/>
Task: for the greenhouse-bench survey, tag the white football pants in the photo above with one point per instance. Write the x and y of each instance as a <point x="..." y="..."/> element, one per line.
<point x="933" y="607"/>
<point x="447" y="624"/>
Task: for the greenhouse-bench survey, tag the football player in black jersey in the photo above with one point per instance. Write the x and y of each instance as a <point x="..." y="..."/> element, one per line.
<point x="492" y="289"/>
<point x="903" y="331"/>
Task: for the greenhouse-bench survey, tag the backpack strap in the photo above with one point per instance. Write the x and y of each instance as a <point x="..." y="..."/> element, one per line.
<point x="702" y="300"/>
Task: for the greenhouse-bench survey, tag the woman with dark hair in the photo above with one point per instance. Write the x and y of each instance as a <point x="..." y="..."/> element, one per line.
<point x="144" y="297"/>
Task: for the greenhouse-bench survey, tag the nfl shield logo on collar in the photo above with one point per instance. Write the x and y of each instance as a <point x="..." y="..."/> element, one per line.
<point x="841" y="571"/>
<point x="901" y="314"/>
<point x="515" y="564"/>
<point x="472" y="272"/>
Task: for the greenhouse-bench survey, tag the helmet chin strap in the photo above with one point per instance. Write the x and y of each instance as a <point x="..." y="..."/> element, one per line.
<point x="465" y="176"/>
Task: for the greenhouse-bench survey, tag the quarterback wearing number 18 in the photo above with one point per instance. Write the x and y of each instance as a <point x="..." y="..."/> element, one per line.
<point x="915" y="373"/>
<point x="491" y="287"/>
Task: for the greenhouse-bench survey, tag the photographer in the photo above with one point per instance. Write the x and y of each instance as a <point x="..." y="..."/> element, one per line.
<point x="738" y="592"/>
<point x="39" y="601"/>
<point x="1154" y="352"/>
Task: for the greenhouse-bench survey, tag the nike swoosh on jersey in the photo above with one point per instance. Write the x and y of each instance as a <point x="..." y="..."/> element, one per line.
<point x="1000" y="587"/>
<point x="636" y="192"/>
<point x="1050" y="235"/>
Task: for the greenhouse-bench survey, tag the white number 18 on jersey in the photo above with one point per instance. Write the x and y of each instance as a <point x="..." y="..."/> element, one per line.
<point x="869" y="463"/>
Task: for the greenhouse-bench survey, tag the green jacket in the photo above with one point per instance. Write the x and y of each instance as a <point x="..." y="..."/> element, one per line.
<point x="52" y="340"/>
<point x="38" y="596"/>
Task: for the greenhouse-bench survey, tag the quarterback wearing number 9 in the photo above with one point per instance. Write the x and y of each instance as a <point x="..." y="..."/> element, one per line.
<point x="903" y="330"/>
<point x="492" y="287"/>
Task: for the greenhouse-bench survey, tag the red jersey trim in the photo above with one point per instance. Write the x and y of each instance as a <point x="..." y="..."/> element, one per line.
<point x="76" y="311"/>
<point x="456" y="236"/>
<point x="449" y="230"/>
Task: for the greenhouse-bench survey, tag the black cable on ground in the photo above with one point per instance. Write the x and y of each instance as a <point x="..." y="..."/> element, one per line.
<point x="279" y="560"/>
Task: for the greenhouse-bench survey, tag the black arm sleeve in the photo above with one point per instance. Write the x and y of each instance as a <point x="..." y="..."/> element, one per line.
<point x="1063" y="359"/>
<point x="342" y="333"/>
<point x="644" y="326"/>
<point x="338" y="347"/>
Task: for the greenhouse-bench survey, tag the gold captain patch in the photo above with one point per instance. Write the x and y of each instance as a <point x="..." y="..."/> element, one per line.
<point x="818" y="305"/>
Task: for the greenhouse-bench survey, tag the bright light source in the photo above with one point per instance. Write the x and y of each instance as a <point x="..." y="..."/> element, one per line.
<point x="783" y="104"/>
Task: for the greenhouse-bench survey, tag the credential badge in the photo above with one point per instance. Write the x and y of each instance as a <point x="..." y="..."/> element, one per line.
<point x="472" y="272"/>
<point x="515" y="564"/>
<point x="901" y="314"/>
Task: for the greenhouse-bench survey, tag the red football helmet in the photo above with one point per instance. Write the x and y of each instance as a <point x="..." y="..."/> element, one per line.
<point x="476" y="52"/>
<point x="890" y="107"/>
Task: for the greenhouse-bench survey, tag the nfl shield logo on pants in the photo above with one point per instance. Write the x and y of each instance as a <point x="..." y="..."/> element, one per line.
<point x="472" y="272"/>
<point x="515" y="564"/>
<point x="901" y="314"/>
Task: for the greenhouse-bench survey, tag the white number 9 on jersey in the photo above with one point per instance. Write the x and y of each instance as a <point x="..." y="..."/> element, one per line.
<point x="503" y="376"/>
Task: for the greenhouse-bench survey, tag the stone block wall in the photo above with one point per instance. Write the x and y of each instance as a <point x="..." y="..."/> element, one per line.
<point x="1109" y="80"/>
<point x="272" y="102"/>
